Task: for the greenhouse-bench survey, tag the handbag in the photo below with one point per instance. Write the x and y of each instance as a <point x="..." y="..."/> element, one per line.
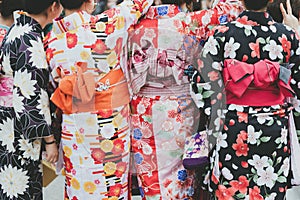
<point x="196" y="151"/>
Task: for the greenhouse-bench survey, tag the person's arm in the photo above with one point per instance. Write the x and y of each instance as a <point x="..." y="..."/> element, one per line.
<point x="31" y="101"/>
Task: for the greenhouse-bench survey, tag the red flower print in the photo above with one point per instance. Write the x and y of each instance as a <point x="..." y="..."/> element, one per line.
<point x="97" y="182"/>
<point x="99" y="46"/>
<point x="179" y="118"/>
<point x="97" y="154"/>
<point x="75" y="147"/>
<point x="222" y="29"/>
<point x="167" y="182"/>
<point x="240" y="185"/>
<point x="214" y="178"/>
<point x="286" y="45"/>
<point x="118" y="48"/>
<point x="213" y="75"/>
<point x="242" y="137"/>
<point x="68" y="164"/>
<point x="244" y="164"/>
<point x="172" y="113"/>
<point x="121" y="168"/>
<point x="71" y="40"/>
<point x="244" y="20"/>
<point x="241" y="149"/>
<point x="110" y="13"/>
<point x="224" y="193"/>
<point x="105" y="113"/>
<point x="49" y="54"/>
<point x="115" y="190"/>
<point x="255" y="49"/>
<point x="74" y="198"/>
<point x="255" y="193"/>
<point x="118" y="146"/>
<point x="243" y="117"/>
<point x="109" y="29"/>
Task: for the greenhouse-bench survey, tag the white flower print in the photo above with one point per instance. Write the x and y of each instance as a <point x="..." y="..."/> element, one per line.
<point x="7" y="134"/>
<point x="17" y="31"/>
<point x="107" y="131"/>
<point x="227" y="174"/>
<point x="206" y="18"/>
<point x="228" y="157"/>
<point x="236" y="107"/>
<point x="273" y="29"/>
<point x="31" y="150"/>
<point x="24" y="82"/>
<point x="267" y="177"/>
<point x="167" y="126"/>
<point x="147" y="150"/>
<point x="275" y="51"/>
<point x="210" y="46"/>
<point x="141" y="108"/>
<point x="37" y="56"/>
<point x="149" y="34"/>
<point x="14" y="181"/>
<point x="284" y="135"/>
<point x="252" y="135"/>
<point x="285" y="167"/>
<point x="17" y="102"/>
<point x="261" y="119"/>
<point x="230" y="48"/>
<point x="221" y="141"/>
<point x="259" y="163"/>
<point x="6" y="65"/>
<point x="271" y="196"/>
<point x="44" y="106"/>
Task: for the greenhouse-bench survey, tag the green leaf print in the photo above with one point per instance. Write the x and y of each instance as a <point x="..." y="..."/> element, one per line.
<point x="147" y="118"/>
<point x="265" y="139"/>
<point x="207" y="94"/>
<point x="271" y="122"/>
<point x="281" y="179"/>
<point x="240" y="196"/>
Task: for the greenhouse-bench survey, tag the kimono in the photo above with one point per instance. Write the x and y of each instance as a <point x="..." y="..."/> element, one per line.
<point x="24" y="118"/>
<point x="86" y="55"/>
<point x="162" y="48"/>
<point x="251" y="157"/>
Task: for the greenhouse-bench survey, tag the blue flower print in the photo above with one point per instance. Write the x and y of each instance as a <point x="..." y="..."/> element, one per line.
<point x="138" y="158"/>
<point x="137" y="134"/>
<point x="182" y="175"/>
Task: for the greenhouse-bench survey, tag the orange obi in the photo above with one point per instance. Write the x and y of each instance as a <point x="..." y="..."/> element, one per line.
<point x="81" y="93"/>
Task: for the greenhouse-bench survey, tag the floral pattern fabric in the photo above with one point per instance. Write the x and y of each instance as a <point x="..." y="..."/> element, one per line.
<point x="95" y="142"/>
<point x="26" y="118"/>
<point x="251" y="157"/>
<point x="162" y="48"/>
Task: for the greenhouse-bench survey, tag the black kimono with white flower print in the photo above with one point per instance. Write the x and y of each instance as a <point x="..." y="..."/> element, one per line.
<point x="24" y="120"/>
<point x="251" y="158"/>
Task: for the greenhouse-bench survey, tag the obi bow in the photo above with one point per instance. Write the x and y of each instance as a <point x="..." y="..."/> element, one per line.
<point x="144" y="60"/>
<point x="239" y="76"/>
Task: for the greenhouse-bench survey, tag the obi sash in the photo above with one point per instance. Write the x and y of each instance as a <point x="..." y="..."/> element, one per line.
<point x="81" y="93"/>
<point x="264" y="83"/>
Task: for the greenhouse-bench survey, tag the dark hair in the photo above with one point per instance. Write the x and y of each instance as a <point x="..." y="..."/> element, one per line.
<point x="72" y="4"/>
<point x="255" y="4"/>
<point x="274" y="9"/>
<point x="189" y="3"/>
<point x="37" y="6"/>
<point x="7" y="7"/>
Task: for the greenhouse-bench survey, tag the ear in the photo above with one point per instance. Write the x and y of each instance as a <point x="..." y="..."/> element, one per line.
<point x="271" y="1"/>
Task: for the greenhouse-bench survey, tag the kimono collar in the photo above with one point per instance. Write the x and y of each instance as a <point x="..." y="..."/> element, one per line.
<point x="162" y="11"/>
<point x="22" y="18"/>
<point x="255" y="18"/>
<point x="71" y="22"/>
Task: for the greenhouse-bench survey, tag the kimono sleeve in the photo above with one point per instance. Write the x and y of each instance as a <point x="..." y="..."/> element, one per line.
<point x="128" y="12"/>
<point x="202" y="22"/>
<point x="212" y="87"/>
<point x="30" y="98"/>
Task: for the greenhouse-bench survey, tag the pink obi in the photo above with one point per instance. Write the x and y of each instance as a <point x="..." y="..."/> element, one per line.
<point x="264" y="83"/>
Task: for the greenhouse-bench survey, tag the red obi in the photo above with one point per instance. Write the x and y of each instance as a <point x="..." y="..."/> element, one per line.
<point x="255" y="84"/>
